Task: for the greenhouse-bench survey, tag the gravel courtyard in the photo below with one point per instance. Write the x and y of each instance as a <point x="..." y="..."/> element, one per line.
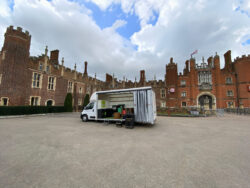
<point x="61" y="151"/>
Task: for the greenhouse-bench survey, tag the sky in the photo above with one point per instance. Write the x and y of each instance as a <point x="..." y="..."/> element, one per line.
<point x="122" y="37"/>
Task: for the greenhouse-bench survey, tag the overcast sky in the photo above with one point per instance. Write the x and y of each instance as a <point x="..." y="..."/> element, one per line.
<point x="126" y="36"/>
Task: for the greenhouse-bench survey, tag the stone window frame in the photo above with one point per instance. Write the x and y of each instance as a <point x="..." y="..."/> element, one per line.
<point x="183" y="94"/>
<point x="183" y="83"/>
<point x="80" y="90"/>
<point x="1" y="75"/>
<point x="163" y="104"/>
<point x="48" y="68"/>
<point x="79" y="102"/>
<point x="183" y="102"/>
<point x="1" y="101"/>
<point x="230" y="93"/>
<point x="38" y="100"/>
<point x="70" y="87"/>
<point x="230" y="104"/>
<point x="39" y="81"/>
<point x="163" y="93"/>
<point x="227" y="80"/>
<point x="205" y="77"/>
<point x="40" y="66"/>
<point x="53" y="85"/>
<point x="53" y="102"/>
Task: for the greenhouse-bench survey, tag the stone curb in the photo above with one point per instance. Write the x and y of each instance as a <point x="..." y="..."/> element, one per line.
<point x="35" y="115"/>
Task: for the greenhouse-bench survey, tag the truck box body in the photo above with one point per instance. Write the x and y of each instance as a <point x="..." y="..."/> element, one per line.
<point x="117" y="105"/>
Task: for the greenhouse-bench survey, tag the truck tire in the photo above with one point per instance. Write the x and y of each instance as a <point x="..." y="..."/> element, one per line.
<point x="84" y="118"/>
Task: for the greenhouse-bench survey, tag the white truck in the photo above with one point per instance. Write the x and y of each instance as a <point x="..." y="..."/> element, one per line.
<point x="122" y="106"/>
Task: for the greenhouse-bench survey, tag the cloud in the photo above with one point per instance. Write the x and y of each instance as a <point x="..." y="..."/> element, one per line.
<point x="182" y="26"/>
<point x="118" y="24"/>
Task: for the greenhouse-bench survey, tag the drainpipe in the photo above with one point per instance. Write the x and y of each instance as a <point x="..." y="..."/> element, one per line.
<point x="237" y="90"/>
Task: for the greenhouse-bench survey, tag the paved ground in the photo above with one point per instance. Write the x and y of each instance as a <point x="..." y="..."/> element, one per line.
<point x="61" y="151"/>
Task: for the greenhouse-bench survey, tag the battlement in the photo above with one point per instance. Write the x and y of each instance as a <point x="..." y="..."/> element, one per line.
<point x="242" y="58"/>
<point x="18" y="32"/>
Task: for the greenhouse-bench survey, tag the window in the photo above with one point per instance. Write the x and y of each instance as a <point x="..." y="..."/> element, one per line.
<point x="51" y="83"/>
<point x="47" y="68"/>
<point x="36" y="80"/>
<point x="183" y="82"/>
<point x="80" y="90"/>
<point x="204" y="77"/>
<point x="40" y="66"/>
<point x="230" y="104"/>
<point x="4" y="101"/>
<point x="183" y="94"/>
<point x="183" y="104"/>
<point x="163" y="104"/>
<point x="230" y="93"/>
<point x="89" y="106"/>
<point x="79" y="101"/>
<point x="0" y="79"/>
<point x="229" y="80"/>
<point x="163" y="93"/>
<point x="34" y="101"/>
<point x="70" y="87"/>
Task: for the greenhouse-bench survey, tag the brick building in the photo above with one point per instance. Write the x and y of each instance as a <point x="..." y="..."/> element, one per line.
<point x="43" y="80"/>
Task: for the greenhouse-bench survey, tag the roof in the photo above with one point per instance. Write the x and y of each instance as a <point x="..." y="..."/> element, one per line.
<point x="124" y="90"/>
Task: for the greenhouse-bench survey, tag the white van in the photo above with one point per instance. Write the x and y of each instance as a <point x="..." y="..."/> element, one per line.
<point x="123" y="105"/>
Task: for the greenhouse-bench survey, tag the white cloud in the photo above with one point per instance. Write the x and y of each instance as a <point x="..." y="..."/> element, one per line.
<point x="182" y="26"/>
<point x="118" y="24"/>
<point x="4" y="8"/>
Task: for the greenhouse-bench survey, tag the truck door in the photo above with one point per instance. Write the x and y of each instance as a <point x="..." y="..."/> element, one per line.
<point x="90" y="110"/>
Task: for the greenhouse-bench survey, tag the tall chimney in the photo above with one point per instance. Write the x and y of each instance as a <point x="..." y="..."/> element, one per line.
<point x="85" y="68"/>
<point x="54" y="56"/>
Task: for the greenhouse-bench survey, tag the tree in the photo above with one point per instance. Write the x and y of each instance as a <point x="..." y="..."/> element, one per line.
<point x="86" y="100"/>
<point x="68" y="103"/>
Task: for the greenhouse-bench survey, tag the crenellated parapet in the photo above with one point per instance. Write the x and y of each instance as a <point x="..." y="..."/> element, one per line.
<point x="17" y="40"/>
<point x="18" y="32"/>
<point x="243" y="58"/>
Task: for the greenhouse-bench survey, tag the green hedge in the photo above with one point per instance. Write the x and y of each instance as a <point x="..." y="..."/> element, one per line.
<point x="21" y="110"/>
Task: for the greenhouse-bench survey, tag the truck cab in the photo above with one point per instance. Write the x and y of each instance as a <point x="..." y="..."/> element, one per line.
<point x="89" y="112"/>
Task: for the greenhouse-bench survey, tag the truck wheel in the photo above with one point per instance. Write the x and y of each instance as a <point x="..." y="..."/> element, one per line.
<point x="84" y="118"/>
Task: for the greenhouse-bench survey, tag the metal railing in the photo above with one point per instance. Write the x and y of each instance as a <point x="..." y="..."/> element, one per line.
<point x="239" y="111"/>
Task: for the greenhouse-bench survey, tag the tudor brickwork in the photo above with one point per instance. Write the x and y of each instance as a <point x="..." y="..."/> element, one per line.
<point x="24" y="78"/>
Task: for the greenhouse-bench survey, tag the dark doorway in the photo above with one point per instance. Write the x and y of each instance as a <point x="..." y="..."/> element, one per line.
<point x="49" y="103"/>
<point x="205" y="99"/>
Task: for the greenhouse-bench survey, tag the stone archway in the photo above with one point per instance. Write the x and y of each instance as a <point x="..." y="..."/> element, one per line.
<point x="206" y="100"/>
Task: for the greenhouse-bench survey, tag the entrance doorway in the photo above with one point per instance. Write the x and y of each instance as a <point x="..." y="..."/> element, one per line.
<point x="206" y="100"/>
<point x="49" y="103"/>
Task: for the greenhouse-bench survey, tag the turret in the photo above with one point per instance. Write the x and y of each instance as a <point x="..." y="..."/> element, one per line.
<point x="15" y="60"/>
<point x="171" y="73"/>
<point x="210" y="61"/>
<point x="62" y="70"/>
<point x="186" y="69"/>
<point x="192" y="64"/>
<point x="18" y="41"/>
<point x="217" y="61"/>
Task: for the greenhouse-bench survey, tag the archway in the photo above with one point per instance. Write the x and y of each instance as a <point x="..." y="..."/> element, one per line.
<point x="49" y="103"/>
<point x="206" y="100"/>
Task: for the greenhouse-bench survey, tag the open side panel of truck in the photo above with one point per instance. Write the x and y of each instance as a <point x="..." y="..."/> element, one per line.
<point x="110" y="104"/>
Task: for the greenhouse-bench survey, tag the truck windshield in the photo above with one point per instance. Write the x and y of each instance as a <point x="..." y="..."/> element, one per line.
<point x="89" y="106"/>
